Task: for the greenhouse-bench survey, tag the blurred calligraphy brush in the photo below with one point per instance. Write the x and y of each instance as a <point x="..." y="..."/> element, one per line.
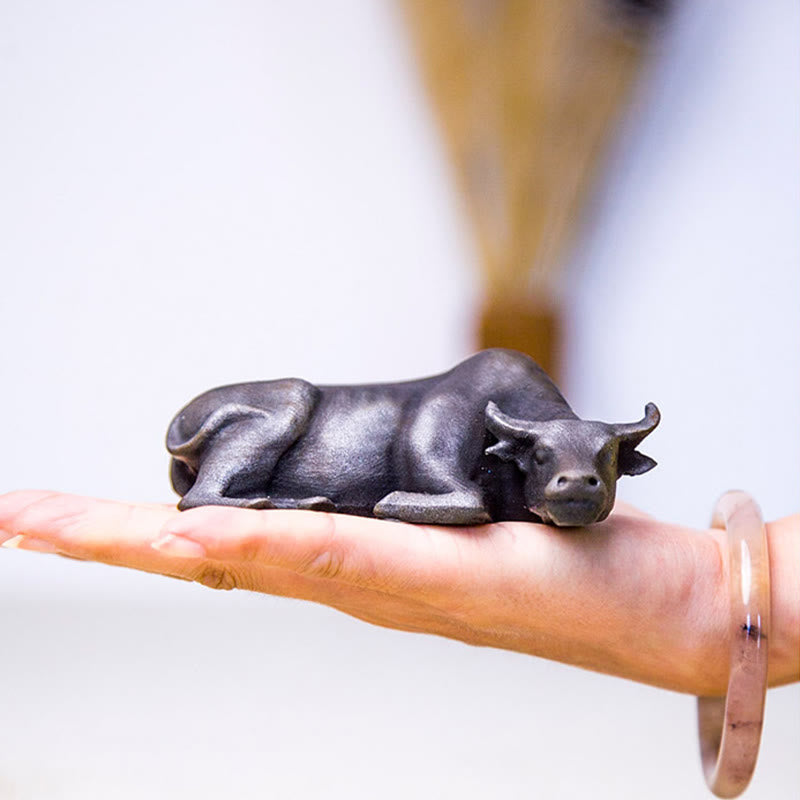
<point x="528" y="94"/>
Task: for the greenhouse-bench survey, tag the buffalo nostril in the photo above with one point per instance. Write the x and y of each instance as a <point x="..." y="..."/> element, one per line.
<point x="592" y="481"/>
<point x="561" y="481"/>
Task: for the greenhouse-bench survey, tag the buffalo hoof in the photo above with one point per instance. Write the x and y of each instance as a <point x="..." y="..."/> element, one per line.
<point x="316" y="504"/>
<point x="453" y="508"/>
<point x="195" y="500"/>
<point x="258" y="502"/>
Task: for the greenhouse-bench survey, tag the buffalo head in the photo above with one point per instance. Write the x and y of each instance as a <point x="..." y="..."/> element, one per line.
<point x="571" y="466"/>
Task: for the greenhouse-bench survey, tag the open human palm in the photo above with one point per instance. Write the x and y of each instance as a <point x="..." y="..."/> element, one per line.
<point x="630" y="596"/>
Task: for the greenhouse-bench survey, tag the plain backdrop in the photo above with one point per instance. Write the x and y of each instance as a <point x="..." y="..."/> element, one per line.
<point x="199" y="193"/>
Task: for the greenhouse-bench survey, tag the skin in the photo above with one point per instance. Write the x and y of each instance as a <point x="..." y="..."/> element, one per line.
<point x="630" y="596"/>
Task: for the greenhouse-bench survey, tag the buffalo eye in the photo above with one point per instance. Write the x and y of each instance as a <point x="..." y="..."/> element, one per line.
<point x="541" y="456"/>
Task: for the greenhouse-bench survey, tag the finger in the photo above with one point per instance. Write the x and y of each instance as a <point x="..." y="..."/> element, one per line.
<point x="121" y="534"/>
<point x="89" y="529"/>
<point x="11" y="504"/>
<point x="310" y="543"/>
<point x="266" y="551"/>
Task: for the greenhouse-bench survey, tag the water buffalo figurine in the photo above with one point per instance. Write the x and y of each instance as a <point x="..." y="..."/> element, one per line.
<point x="492" y="439"/>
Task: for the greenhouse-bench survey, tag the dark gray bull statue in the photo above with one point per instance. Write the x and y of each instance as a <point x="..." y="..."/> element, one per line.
<point x="492" y="439"/>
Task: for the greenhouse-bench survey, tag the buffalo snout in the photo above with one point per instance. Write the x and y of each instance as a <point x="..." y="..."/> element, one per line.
<point x="574" y="482"/>
<point x="576" y="498"/>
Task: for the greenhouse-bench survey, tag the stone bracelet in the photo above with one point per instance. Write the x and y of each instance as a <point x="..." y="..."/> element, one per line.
<point x="730" y="727"/>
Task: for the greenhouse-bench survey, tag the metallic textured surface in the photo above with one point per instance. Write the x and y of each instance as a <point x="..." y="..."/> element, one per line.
<point x="492" y="439"/>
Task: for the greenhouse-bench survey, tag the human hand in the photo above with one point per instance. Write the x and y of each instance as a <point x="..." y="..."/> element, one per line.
<point x="630" y="596"/>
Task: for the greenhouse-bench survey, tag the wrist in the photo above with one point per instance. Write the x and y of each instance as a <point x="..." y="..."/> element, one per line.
<point x="783" y="541"/>
<point x="633" y="597"/>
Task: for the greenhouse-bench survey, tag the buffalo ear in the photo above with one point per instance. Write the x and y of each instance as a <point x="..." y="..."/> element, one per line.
<point x="629" y="461"/>
<point x="506" y="450"/>
<point x="511" y="450"/>
<point x="632" y="462"/>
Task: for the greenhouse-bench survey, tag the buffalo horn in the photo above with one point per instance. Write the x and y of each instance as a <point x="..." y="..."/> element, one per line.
<point x="501" y="424"/>
<point x="633" y="432"/>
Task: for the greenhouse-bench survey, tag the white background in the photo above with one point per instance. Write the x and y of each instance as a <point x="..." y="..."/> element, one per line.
<point x="200" y="193"/>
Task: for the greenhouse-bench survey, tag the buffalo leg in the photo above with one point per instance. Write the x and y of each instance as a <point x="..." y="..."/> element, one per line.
<point x="240" y="461"/>
<point x="462" y="506"/>
<point x="436" y="463"/>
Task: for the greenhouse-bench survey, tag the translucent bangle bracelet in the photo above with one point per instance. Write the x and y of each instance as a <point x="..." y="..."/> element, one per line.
<point x="730" y="726"/>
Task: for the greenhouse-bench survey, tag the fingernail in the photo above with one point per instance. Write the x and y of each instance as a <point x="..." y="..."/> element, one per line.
<point x="171" y="545"/>
<point x="29" y="543"/>
<point x="5" y="536"/>
<point x="36" y="545"/>
<point x="12" y="542"/>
